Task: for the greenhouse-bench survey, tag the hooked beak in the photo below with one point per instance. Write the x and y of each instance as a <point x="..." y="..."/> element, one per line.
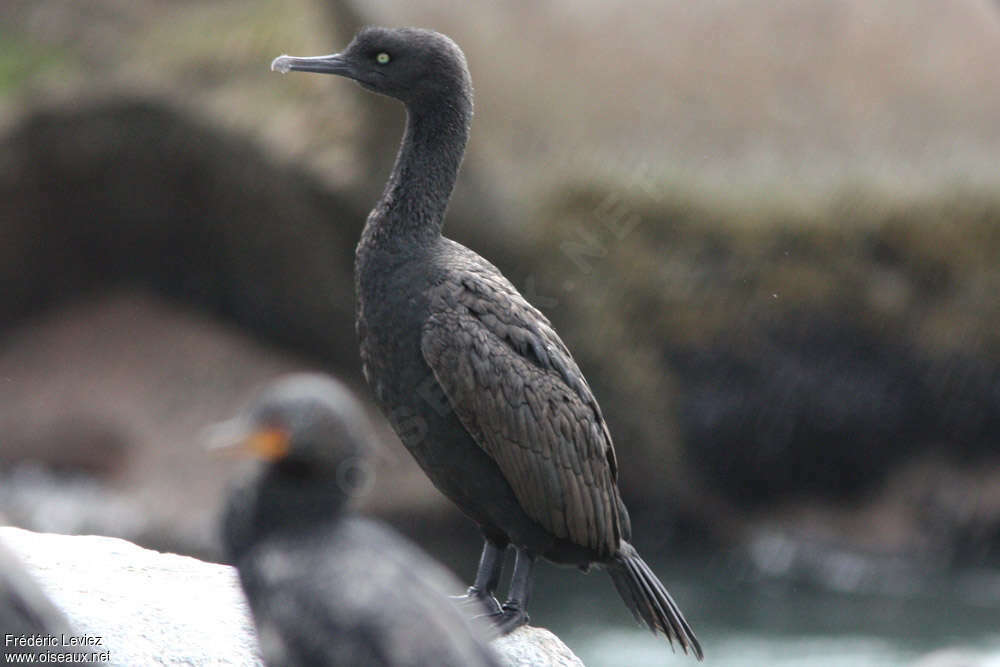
<point x="332" y="64"/>
<point x="239" y="437"/>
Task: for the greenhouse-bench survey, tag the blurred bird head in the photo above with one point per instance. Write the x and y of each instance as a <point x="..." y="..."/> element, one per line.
<point x="304" y="426"/>
<point x="413" y="65"/>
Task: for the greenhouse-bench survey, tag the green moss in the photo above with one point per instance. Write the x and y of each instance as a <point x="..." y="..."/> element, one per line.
<point x="21" y="61"/>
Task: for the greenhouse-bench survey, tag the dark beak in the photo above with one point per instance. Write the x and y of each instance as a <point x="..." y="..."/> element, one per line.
<point x="332" y="64"/>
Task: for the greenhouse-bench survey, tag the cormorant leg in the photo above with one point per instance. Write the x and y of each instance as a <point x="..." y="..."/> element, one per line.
<point x="515" y="609"/>
<point x="487" y="578"/>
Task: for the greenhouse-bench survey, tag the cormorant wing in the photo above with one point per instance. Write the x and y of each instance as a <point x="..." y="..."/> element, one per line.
<point x="518" y="392"/>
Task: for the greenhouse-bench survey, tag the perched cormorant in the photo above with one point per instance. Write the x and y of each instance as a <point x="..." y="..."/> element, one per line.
<point x="326" y="588"/>
<point x="472" y="377"/>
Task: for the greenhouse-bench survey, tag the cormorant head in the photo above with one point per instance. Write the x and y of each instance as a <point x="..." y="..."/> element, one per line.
<point x="307" y="426"/>
<point x="410" y="64"/>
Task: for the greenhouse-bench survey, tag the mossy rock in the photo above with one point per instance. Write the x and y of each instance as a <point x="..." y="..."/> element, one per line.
<point x="781" y="352"/>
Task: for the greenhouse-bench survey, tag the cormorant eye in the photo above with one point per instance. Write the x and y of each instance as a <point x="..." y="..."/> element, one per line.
<point x="382" y="58"/>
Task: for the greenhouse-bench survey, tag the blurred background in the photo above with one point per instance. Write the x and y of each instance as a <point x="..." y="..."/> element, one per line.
<point x="769" y="231"/>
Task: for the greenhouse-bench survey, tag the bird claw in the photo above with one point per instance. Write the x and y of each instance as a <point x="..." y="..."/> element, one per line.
<point x="511" y="618"/>
<point x="474" y="596"/>
<point x="501" y="622"/>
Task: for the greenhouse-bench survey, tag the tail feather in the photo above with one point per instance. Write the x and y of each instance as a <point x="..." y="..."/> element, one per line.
<point x="649" y="601"/>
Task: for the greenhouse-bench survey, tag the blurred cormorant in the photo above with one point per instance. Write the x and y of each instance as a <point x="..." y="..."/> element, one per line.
<point x="325" y="588"/>
<point x="473" y="378"/>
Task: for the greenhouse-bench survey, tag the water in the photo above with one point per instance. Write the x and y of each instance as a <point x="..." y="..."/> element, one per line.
<point x="735" y="649"/>
<point x="951" y="621"/>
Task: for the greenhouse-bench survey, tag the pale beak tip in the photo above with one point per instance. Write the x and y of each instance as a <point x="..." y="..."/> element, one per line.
<point x="282" y="63"/>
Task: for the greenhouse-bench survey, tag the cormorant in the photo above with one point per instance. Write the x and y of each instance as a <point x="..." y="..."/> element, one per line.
<point x="326" y="588"/>
<point x="472" y="377"/>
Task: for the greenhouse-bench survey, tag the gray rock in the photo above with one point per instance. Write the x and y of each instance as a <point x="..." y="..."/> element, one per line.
<point x="152" y="608"/>
<point x="148" y="608"/>
<point x="528" y="647"/>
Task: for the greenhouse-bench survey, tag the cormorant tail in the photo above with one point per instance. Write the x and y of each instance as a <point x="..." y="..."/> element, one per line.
<point x="649" y="601"/>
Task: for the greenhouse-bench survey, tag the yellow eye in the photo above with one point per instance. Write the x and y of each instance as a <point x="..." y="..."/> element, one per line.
<point x="382" y="58"/>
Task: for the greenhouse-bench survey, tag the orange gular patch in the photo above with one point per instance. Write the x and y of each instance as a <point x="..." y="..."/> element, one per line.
<point x="268" y="444"/>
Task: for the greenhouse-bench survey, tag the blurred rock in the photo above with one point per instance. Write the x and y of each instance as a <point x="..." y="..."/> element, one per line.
<point x="149" y="608"/>
<point x="155" y="608"/>
<point x="151" y="197"/>
<point x="812" y="408"/>
<point x="789" y="96"/>
<point x="150" y="375"/>
<point x="762" y="357"/>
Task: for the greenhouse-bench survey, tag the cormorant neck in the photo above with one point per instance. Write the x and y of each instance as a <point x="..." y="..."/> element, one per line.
<point x="274" y="504"/>
<point x="416" y="196"/>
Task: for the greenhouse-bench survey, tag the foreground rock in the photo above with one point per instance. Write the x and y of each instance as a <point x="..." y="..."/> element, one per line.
<point x="148" y="608"/>
<point x="528" y="646"/>
<point x="152" y="608"/>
